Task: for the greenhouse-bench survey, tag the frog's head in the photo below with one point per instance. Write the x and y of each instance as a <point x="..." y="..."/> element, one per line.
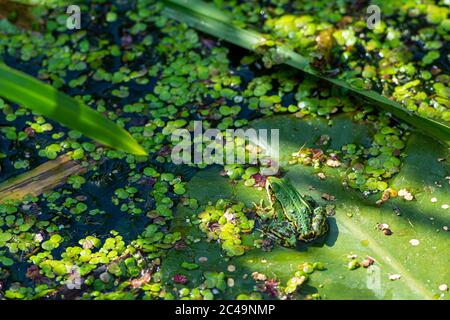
<point x="283" y="191"/>
<point x="273" y="186"/>
<point x="273" y="182"/>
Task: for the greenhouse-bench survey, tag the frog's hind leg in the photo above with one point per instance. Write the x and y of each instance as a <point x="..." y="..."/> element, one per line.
<point x="318" y="226"/>
<point x="319" y="222"/>
<point x="283" y="233"/>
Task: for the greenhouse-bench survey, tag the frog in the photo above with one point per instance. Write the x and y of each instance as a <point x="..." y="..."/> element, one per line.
<point x="290" y="216"/>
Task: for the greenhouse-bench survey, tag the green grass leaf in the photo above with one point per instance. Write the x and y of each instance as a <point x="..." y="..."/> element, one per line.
<point x="207" y="18"/>
<point x="29" y="92"/>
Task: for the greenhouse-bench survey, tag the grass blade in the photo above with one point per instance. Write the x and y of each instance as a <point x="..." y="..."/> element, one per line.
<point x="29" y="92"/>
<point x="209" y="19"/>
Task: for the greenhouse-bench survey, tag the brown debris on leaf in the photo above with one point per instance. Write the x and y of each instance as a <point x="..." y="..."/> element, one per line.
<point x="33" y="273"/>
<point x="368" y="261"/>
<point x="145" y="278"/>
<point x="387" y="194"/>
<point x="385" y="229"/>
<point x="321" y="176"/>
<point x="328" y="197"/>
<point x="259" y="276"/>
<point x="405" y="194"/>
<point x="333" y="161"/>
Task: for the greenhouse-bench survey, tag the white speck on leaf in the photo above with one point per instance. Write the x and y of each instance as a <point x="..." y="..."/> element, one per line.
<point x="443" y="287"/>
<point x="394" y="277"/>
<point x="405" y="195"/>
<point x="38" y="237"/>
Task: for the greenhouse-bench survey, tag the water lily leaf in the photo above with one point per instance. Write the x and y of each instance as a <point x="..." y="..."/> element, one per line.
<point x="411" y="263"/>
<point x="29" y="92"/>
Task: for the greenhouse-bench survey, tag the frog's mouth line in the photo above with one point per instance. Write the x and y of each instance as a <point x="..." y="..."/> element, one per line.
<point x="272" y="199"/>
<point x="271" y="195"/>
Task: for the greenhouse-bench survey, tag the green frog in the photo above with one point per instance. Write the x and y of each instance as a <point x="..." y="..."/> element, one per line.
<point x="290" y="216"/>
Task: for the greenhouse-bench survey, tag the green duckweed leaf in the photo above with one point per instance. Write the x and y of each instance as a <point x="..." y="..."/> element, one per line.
<point x="6" y="261"/>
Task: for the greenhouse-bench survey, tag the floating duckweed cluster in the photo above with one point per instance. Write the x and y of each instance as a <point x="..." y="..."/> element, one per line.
<point x="226" y="222"/>
<point x="292" y="289"/>
<point x="301" y="276"/>
<point x="367" y="168"/>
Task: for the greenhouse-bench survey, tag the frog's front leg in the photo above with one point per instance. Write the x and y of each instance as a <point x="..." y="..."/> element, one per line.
<point x="264" y="212"/>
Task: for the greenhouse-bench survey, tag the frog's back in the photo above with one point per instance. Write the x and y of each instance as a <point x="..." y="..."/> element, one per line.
<point x="296" y="208"/>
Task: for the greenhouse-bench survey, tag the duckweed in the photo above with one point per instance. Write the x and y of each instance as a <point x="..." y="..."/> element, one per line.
<point x="368" y="169"/>
<point x="226" y="222"/>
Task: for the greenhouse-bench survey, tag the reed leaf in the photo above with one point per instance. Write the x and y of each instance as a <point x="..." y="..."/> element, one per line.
<point x="42" y="98"/>
<point x="209" y="19"/>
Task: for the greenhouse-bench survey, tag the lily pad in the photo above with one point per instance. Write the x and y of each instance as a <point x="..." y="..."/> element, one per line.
<point x="399" y="270"/>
